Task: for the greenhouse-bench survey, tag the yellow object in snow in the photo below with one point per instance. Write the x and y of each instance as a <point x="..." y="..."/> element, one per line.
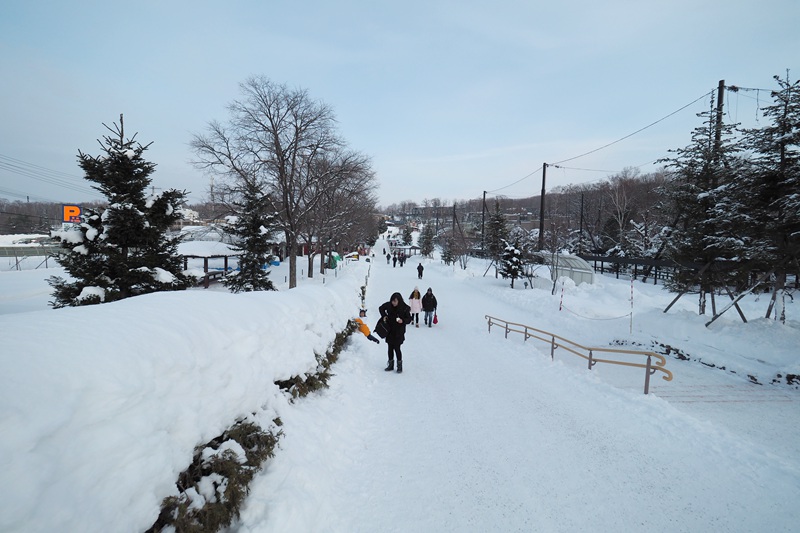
<point x="363" y="328"/>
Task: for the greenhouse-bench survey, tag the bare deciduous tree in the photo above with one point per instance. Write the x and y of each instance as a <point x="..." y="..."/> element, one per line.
<point x="273" y="141"/>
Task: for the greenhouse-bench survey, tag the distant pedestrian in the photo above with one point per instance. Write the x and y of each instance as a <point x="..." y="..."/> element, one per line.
<point x="415" y="303"/>
<point x="429" y="305"/>
<point x="388" y="258"/>
<point x="394" y="262"/>
<point x="420" y="268"/>
<point x="395" y="315"/>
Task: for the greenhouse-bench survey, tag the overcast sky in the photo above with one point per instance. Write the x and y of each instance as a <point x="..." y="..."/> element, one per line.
<point x="448" y="98"/>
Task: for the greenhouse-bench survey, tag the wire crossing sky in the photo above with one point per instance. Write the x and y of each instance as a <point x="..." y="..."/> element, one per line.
<point x="447" y="98"/>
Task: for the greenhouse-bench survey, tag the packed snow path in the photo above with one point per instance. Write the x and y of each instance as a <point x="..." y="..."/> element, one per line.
<point x="482" y="433"/>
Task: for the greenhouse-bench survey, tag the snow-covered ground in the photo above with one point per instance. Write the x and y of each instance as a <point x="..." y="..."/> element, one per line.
<point x="101" y="407"/>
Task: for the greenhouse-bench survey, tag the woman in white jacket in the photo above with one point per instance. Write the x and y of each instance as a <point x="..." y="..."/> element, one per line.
<point x="415" y="302"/>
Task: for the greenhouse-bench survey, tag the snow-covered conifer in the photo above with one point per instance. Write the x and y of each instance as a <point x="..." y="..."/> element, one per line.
<point x="771" y="189"/>
<point x="426" y="240"/>
<point x="496" y="233"/>
<point x="251" y="231"/>
<point x="708" y="230"/>
<point x="123" y="250"/>
<point x="511" y="264"/>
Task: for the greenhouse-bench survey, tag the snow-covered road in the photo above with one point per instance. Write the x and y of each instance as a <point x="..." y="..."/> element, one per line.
<point x="482" y="433"/>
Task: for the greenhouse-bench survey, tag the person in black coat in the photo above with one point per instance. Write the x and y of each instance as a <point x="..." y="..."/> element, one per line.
<point x="395" y="315"/>
<point x="429" y="305"/>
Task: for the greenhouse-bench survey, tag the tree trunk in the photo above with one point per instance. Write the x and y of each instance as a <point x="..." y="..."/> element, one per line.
<point x="291" y="247"/>
<point x="778" y="296"/>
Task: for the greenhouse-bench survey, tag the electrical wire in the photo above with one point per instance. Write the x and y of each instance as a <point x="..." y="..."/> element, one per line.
<point x="635" y="132"/>
<point x="584" y="169"/>
<point x="23" y="196"/>
<point x="52" y="177"/>
<point x="609" y="144"/>
<point x="519" y="180"/>
<point x="44" y="174"/>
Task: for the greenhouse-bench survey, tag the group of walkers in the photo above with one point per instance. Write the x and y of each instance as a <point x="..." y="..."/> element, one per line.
<point x="400" y="257"/>
<point x="425" y="304"/>
<point x="396" y="257"/>
<point x="396" y="315"/>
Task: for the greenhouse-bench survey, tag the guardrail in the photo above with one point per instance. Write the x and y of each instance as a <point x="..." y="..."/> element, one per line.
<point x="19" y="253"/>
<point x="586" y="352"/>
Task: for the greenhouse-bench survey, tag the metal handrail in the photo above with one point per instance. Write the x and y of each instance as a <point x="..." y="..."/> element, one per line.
<point x="587" y="352"/>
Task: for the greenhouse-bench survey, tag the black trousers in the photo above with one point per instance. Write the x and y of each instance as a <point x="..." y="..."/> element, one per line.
<point x="395" y="350"/>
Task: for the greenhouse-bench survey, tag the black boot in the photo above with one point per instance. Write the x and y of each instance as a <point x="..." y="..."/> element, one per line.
<point x="390" y="366"/>
<point x="399" y="367"/>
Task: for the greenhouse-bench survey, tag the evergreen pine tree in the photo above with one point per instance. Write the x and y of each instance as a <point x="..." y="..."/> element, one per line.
<point x="496" y="234"/>
<point x="123" y="250"/>
<point x="408" y="238"/>
<point x="426" y="240"/>
<point x="448" y="251"/>
<point x="251" y="236"/>
<point x="708" y="229"/>
<point x="645" y="238"/>
<point x="772" y="189"/>
<point x="511" y="265"/>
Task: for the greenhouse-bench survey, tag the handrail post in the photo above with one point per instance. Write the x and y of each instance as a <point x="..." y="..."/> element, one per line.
<point x="506" y="330"/>
<point x="552" y="347"/>
<point x="592" y="362"/>
<point x="648" y="372"/>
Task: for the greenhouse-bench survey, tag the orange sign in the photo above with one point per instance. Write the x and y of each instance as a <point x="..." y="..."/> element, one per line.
<point x="72" y="213"/>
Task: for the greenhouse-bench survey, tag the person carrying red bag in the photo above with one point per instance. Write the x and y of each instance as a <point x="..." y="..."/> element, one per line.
<point x="429" y="305"/>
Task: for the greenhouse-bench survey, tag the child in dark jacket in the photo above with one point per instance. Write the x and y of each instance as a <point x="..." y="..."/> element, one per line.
<point x="363" y="328"/>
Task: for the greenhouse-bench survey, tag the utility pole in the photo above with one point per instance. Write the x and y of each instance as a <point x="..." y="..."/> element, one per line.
<point x="718" y="132"/>
<point x="580" y="235"/>
<point x="541" y="210"/>
<point x="483" y="222"/>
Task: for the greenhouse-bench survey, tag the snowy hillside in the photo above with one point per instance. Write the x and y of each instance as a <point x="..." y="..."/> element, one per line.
<point x="101" y="407"/>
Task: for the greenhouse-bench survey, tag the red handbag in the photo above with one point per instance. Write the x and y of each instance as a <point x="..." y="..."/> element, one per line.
<point x="435" y="318"/>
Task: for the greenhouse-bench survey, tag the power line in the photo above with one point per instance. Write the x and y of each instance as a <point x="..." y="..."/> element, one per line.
<point x="44" y="174"/>
<point x="24" y="196"/>
<point x="736" y="89"/>
<point x="601" y="170"/>
<point x="41" y="168"/>
<point x="583" y="169"/>
<point x="45" y="217"/>
<point x="52" y="177"/>
<point x="637" y="131"/>
<point x="519" y="180"/>
<point x="609" y="144"/>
